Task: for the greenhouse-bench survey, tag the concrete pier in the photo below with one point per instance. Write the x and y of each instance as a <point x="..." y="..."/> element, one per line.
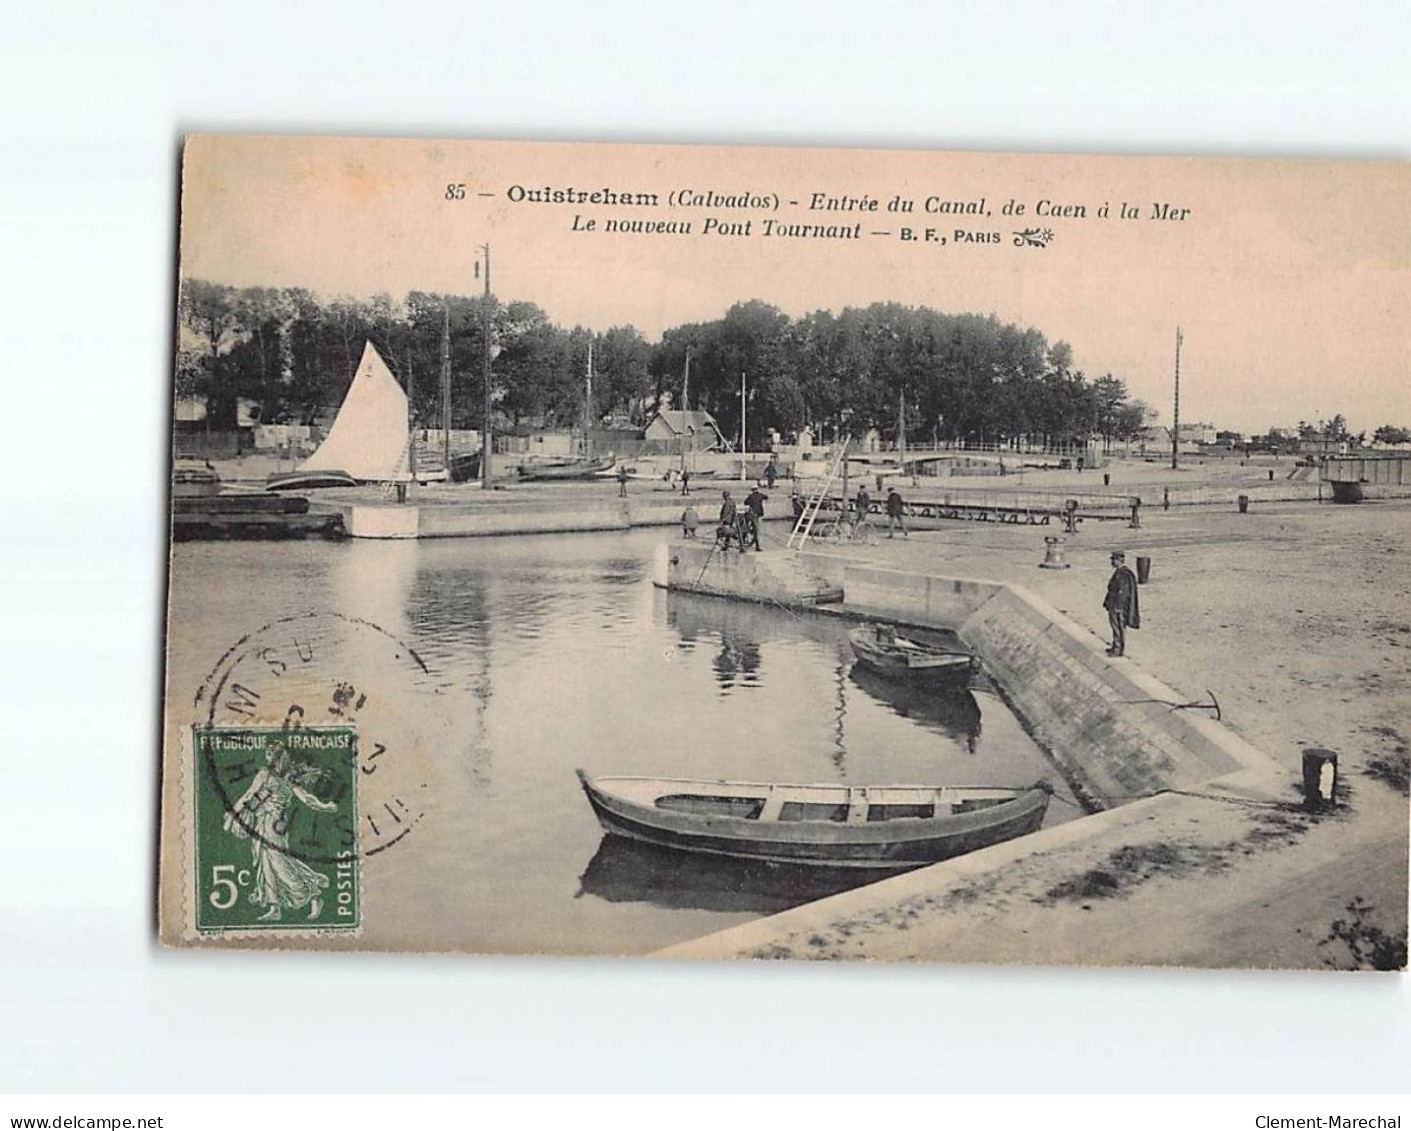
<point x="1108" y="725"/>
<point x="1225" y="867"/>
<point x="462" y="513"/>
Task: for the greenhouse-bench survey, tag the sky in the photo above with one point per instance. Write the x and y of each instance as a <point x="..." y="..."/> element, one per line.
<point x="1290" y="280"/>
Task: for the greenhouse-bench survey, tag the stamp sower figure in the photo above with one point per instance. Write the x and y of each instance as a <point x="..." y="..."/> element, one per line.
<point x="262" y="816"/>
<point x="896" y="516"/>
<point x="1121" y="603"/>
<point x="689" y="521"/>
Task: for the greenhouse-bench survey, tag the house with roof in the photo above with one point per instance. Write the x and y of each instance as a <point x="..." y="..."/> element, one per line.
<point x="672" y="429"/>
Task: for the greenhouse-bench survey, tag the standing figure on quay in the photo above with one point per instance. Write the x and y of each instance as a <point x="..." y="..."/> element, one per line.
<point x="754" y="515"/>
<point x="1121" y="603"/>
<point x="727" y="525"/>
<point x="896" y="514"/>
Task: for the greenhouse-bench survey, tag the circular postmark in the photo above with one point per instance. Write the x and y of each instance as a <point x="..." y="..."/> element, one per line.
<point x="314" y="736"/>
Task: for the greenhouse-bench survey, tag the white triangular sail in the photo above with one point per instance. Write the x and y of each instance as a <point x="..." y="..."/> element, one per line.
<point x="370" y="434"/>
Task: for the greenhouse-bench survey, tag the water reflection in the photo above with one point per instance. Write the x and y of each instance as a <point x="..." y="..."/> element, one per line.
<point x="628" y="871"/>
<point x="952" y="711"/>
<point x="737" y="660"/>
<point x="543" y="654"/>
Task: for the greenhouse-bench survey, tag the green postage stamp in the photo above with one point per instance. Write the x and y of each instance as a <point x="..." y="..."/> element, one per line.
<point x="276" y="814"/>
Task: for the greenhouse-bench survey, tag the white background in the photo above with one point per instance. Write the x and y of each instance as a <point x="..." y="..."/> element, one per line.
<point x="93" y="99"/>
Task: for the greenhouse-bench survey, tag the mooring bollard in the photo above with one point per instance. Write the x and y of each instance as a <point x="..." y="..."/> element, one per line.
<point x="1320" y="778"/>
<point x="1053" y="553"/>
<point x="1143" y="570"/>
<point x="1070" y="516"/>
<point x="1242" y="501"/>
<point x="1271" y="475"/>
<point x="1136" y="512"/>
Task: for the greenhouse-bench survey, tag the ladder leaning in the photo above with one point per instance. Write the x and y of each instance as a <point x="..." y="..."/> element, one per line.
<point x="803" y="526"/>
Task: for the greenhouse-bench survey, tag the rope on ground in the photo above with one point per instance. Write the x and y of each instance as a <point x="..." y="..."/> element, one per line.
<point x="1246" y="802"/>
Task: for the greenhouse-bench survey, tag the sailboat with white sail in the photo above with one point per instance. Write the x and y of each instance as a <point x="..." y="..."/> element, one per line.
<point x="368" y="441"/>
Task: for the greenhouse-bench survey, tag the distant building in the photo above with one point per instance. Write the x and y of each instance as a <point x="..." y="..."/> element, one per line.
<point x="695" y="431"/>
<point x="1198" y="433"/>
<point x="1157" y="439"/>
<point x="551" y="444"/>
<point x="193" y="436"/>
<point x="1324" y="446"/>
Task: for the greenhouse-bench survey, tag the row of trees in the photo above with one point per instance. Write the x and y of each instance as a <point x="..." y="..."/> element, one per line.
<point x="961" y="376"/>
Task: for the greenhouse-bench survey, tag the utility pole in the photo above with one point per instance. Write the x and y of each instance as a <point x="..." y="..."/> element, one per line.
<point x="588" y="405"/>
<point x="844" y="440"/>
<point x="1176" y="414"/>
<point x="901" y="433"/>
<point x="487" y="447"/>
<point x="743" y="446"/>
<point x="446" y="383"/>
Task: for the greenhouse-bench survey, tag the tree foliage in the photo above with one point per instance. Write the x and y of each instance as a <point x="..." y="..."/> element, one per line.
<point x="960" y="377"/>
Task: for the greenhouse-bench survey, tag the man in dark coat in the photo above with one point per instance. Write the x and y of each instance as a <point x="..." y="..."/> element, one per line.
<point x="754" y="512"/>
<point x="1121" y="603"/>
<point x="896" y="514"/>
<point x="727" y="527"/>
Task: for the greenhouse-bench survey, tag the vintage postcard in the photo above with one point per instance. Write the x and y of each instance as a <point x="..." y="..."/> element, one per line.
<point x="715" y="552"/>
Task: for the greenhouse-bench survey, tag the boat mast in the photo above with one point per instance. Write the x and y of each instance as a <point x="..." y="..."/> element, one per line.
<point x="411" y="415"/>
<point x="685" y="389"/>
<point x="487" y="441"/>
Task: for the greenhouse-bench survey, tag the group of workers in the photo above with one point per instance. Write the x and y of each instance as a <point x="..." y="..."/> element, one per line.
<point x="736" y="525"/>
<point x="894" y="506"/>
<point x="739" y="526"/>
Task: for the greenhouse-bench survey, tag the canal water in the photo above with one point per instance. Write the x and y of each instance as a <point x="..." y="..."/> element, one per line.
<point x="538" y="655"/>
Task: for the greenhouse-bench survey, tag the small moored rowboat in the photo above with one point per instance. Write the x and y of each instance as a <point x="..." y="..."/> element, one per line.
<point x="566" y="469"/>
<point x="884" y="651"/>
<point x="836" y="826"/>
<point x="308" y="480"/>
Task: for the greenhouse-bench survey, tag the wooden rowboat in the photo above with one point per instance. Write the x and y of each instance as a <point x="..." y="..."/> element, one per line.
<point x="566" y="470"/>
<point x="888" y="653"/>
<point x="834" y="826"/>
<point x="308" y="480"/>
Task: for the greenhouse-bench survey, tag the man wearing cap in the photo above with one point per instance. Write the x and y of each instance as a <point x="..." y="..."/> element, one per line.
<point x="1121" y="603"/>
